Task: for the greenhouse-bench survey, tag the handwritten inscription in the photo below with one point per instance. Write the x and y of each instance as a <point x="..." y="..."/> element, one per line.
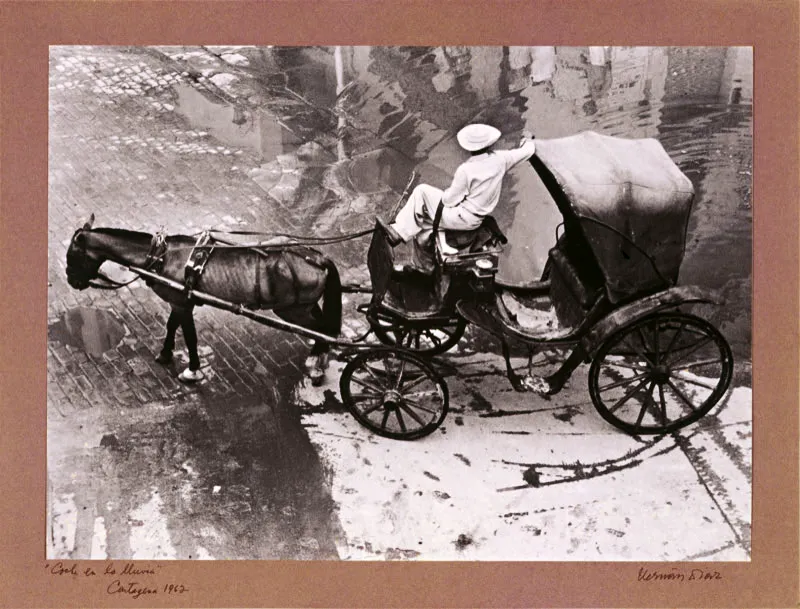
<point x="678" y="575"/>
<point x="127" y="579"/>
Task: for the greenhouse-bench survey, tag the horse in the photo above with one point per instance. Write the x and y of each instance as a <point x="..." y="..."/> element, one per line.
<point x="289" y="279"/>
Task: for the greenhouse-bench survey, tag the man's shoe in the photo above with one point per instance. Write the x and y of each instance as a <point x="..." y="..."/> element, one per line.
<point x="190" y="376"/>
<point x="392" y="236"/>
<point x="446" y="249"/>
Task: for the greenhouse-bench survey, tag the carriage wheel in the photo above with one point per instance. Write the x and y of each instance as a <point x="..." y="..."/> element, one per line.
<point x="394" y="394"/>
<point x="423" y="338"/>
<point x="660" y="373"/>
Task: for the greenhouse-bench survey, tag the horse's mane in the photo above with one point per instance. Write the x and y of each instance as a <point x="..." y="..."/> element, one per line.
<point x="122" y="232"/>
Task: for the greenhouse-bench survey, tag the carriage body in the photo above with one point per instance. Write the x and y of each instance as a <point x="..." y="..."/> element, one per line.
<point x="611" y="275"/>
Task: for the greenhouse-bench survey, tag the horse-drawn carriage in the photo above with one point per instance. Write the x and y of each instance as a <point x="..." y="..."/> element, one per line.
<point x="608" y="294"/>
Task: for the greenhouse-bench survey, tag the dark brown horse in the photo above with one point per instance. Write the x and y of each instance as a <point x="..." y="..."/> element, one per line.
<point x="288" y="279"/>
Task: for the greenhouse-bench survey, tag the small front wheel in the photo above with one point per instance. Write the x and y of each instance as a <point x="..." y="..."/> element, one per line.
<point x="660" y="373"/>
<point x="394" y="394"/>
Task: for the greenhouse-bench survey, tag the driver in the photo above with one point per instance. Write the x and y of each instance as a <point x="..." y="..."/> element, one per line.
<point x="473" y="194"/>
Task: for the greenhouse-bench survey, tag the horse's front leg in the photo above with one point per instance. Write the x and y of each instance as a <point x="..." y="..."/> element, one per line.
<point x="193" y="373"/>
<point x="174" y="321"/>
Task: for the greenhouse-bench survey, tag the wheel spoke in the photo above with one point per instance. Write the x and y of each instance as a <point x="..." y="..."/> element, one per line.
<point x="627" y="396"/>
<point x="654" y="408"/>
<point x="645" y="404"/>
<point x="414" y="383"/>
<point x="418" y="406"/>
<point x="400" y="420"/>
<point x="626" y="381"/>
<point x="385" y="419"/>
<point x="706" y="362"/>
<point x="695" y="347"/>
<point x="626" y="365"/>
<point x="643" y="340"/>
<point x="367" y="397"/>
<point x="372" y="408"/>
<point x="370" y="386"/>
<point x="681" y="395"/>
<point x="663" y="403"/>
<point x="656" y="341"/>
<point x="373" y="373"/>
<point x="412" y="414"/>
<point x="680" y="377"/>
<point x="400" y="375"/>
<point x="421" y="394"/>
<point x="675" y="336"/>
<point x="640" y="354"/>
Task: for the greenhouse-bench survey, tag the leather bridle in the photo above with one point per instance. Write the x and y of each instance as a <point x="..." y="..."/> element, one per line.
<point x="154" y="262"/>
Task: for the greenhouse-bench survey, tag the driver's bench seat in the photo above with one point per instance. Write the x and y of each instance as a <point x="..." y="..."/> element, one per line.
<point x="486" y="238"/>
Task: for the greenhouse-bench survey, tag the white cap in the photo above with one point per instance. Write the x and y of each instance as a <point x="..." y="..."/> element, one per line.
<point x="477" y="137"/>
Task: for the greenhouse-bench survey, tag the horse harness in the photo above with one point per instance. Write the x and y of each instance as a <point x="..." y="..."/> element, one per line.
<point x="203" y="249"/>
<point x="196" y="263"/>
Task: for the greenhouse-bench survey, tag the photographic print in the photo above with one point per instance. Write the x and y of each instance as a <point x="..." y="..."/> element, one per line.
<point x="400" y="303"/>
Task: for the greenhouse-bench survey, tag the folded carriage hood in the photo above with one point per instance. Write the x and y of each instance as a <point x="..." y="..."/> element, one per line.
<point x="633" y="204"/>
<point x="602" y="174"/>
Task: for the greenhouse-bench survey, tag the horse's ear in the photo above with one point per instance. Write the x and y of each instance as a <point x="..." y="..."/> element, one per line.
<point x="88" y="225"/>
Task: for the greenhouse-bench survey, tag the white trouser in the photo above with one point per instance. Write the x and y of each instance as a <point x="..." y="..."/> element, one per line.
<point x="418" y="212"/>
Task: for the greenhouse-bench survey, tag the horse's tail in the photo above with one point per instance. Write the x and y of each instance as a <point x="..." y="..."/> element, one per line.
<point x="332" y="305"/>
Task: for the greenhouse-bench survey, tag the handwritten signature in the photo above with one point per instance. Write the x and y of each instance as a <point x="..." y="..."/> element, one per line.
<point x="676" y="574"/>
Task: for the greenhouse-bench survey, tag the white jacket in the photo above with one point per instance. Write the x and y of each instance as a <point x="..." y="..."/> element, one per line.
<point x="477" y="182"/>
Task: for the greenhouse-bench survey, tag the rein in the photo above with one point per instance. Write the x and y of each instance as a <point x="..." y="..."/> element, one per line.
<point x="298" y="240"/>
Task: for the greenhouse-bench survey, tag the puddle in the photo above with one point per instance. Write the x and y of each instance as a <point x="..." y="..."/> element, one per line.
<point x="93" y="330"/>
<point x="235" y="126"/>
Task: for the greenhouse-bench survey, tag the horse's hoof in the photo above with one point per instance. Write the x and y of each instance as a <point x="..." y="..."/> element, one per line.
<point x="317" y="378"/>
<point x="164" y="358"/>
<point x="191" y="376"/>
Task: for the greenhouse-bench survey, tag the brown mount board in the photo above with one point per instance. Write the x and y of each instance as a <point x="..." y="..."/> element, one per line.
<point x="28" y="28"/>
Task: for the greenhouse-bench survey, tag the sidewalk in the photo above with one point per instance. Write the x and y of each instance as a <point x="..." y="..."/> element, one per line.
<point x="514" y="476"/>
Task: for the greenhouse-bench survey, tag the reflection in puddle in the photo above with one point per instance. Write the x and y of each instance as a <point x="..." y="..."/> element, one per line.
<point x="92" y="330"/>
<point x="237" y="126"/>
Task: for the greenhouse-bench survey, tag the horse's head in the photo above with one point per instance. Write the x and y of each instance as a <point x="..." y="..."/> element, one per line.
<point x="82" y="265"/>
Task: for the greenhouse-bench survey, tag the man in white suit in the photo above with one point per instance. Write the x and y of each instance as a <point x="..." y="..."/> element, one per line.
<point x="473" y="194"/>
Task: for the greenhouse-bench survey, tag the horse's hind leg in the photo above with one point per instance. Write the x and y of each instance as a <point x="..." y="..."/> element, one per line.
<point x="174" y="321"/>
<point x="310" y="317"/>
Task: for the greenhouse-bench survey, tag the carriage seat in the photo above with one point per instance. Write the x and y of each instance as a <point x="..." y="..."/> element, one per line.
<point x="468" y="241"/>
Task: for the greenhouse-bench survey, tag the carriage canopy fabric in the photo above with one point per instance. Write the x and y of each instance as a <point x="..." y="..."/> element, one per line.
<point x="630" y="198"/>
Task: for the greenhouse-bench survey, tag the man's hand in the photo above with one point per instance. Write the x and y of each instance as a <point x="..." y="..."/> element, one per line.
<point x="526" y="137"/>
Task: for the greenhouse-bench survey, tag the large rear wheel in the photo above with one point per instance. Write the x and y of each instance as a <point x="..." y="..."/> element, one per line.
<point x="660" y="373"/>
<point x="394" y="394"/>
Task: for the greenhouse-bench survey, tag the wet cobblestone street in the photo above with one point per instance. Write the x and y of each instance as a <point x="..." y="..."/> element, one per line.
<point x="118" y="150"/>
<point x="252" y="462"/>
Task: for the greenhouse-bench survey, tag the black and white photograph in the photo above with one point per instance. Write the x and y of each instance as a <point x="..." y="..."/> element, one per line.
<point x="400" y="303"/>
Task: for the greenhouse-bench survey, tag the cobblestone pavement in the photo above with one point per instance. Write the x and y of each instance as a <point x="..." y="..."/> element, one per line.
<point x="142" y="466"/>
<point x="117" y="149"/>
